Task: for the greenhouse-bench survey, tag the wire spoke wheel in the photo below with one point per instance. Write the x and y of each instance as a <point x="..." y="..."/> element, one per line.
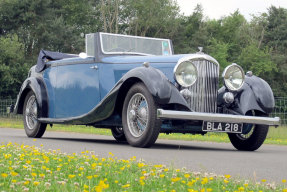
<point x="137" y="115"/>
<point x="247" y="135"/>
<point x="140" y="124"/>
<point x="252" y="139"/>
<point x="31" y="113"/>
<point x="32" y="126"/>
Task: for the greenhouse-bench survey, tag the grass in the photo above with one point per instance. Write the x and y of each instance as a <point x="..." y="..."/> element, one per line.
<point x="276" y="136"/>
<point x="28" y="168"/>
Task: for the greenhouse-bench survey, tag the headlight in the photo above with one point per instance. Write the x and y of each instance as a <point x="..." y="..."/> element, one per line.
<point x="185" y="73"/>
<point x="233" y="76"/>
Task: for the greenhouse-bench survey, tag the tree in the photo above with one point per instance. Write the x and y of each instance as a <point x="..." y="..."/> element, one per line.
<point x="13" y="68"/>
<point x="254" y="59"/>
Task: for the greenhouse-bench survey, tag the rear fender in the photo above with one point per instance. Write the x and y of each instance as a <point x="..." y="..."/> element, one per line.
<point x="38" y="87"/>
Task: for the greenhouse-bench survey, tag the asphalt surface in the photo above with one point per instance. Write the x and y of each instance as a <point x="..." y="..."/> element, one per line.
<point x="269" y="162"/>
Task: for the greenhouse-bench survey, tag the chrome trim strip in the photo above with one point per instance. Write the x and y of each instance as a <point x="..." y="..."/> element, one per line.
<point x="216" y="117"/>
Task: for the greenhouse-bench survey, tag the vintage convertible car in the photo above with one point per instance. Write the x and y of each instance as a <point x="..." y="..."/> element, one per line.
<point x="138" y="88"/>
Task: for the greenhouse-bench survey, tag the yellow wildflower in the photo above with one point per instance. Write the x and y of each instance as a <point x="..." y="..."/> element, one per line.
<point x="204" y="181"/>
<point x="175" y="179"/>
<point x="34" y="174"/>
<point x="161" y="176"/>
<point x="241" y="189"/>
<point x="89" y="177"/>
<point x="263" y="180"/>
<point x="4" y="175"/>
<point x="283" y="180"/>
<point x="36" y="183"/>
<point x="14" y="181"/>
<point x="71" y="176"/>
<point x="126" y="186"/>
<point x="26" y="182"/>
<point x="227" y="176"/>
<point x="226" y="181"/>
<point x="140" y="165"/>
<point x="186" y="175"/>
<point x="13" y="173"/>
<point x="116" y="181"/>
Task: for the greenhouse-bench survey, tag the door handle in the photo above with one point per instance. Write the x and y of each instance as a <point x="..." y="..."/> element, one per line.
<point x="94" y="67"/>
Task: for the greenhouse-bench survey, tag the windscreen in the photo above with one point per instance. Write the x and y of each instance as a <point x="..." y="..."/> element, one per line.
<point x="125" y="44"/>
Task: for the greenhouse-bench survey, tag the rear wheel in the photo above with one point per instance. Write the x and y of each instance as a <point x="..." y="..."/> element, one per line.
<point x="32" y="126"/>
<point x="252" y="139"/>
<point x="139" y="117"/>
<point x="119" y="134"/>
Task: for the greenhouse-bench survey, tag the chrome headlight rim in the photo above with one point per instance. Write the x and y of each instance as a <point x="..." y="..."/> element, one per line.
<point x="224" y="74"/>
<point x="181" y="62"/>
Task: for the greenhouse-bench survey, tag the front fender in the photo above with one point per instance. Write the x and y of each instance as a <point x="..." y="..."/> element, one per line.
<point x="163" y="91"/>
<point x="38" y="87"/>
<point x="255" y="94"/>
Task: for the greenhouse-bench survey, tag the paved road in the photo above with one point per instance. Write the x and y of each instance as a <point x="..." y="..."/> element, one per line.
<point x="269" y="162"/>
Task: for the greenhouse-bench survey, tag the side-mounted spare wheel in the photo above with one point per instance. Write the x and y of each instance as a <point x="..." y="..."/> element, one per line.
<point x="32" y="126"/>
<point x="252" y="139"/>
<point x="140" y="123"/>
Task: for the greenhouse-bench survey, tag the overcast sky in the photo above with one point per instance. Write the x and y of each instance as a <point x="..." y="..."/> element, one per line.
<point x="215" y="9"/>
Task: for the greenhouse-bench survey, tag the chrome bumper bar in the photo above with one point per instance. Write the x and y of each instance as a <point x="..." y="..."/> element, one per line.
<point x="217" y="117"/>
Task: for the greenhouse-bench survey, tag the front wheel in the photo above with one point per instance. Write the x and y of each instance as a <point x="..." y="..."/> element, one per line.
<point x="251" y="140"/>
<point x="32" y="126"/>
<point x="139" y="117"/>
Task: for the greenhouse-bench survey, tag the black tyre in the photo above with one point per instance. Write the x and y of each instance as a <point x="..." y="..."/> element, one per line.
<point x="119" y="134"/>
<point x="251" y="140"/>
<point x="139" y="117"/>
<point x="32" y="126"/>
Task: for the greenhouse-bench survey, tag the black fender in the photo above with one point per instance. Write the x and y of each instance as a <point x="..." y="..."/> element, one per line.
<point x="256" y="94"/>
<point x="38" y="87"/>
<point x="163" y="91"/>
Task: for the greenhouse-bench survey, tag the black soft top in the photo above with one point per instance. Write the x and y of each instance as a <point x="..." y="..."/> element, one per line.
<point x="45" y="56"/>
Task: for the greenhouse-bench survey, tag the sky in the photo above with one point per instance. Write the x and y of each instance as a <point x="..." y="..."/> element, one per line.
<point x="215" y="9"/>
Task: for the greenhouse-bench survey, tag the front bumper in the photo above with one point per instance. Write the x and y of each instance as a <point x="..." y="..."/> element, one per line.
<point x="217" y="117"/>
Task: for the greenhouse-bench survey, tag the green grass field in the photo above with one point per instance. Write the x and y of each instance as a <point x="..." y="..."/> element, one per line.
<point x="28" y="168"/>
<point x="276" y="136"/>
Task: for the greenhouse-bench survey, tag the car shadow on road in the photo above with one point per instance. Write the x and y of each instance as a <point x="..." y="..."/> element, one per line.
<point x="156" y="146"/>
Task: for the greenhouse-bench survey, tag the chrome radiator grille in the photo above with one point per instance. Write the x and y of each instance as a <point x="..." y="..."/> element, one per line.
<point x="204" y="91"/>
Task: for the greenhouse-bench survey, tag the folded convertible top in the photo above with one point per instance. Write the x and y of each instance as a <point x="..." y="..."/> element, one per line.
<point x="45" y="56"/>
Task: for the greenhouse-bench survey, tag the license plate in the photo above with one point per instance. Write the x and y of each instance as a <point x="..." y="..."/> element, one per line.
<point x="222" y="127"/>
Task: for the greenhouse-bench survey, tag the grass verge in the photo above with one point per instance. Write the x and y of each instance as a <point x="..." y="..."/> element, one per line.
<point x="276" y="136"/>
<point x="28" y="168"/>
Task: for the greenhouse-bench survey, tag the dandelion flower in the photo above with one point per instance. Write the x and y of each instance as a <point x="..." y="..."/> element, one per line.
<point x="4" y="175"/>
<point x="227" y="176"/>
<point x="126" y="186"/>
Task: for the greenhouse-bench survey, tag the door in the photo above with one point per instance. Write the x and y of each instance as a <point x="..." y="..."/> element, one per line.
<point x="76" y="90"/>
